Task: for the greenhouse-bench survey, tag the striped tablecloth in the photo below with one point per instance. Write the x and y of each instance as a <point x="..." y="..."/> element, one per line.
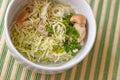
<point x="102" y="63"/>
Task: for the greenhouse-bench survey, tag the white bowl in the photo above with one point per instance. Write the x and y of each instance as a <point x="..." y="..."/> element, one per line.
<point x="80" y="6"/>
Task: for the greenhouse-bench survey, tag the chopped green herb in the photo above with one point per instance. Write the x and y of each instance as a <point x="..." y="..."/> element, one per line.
<point x="49" y="29"/>
<point x="70" y="29"/>
<point x="70" y="46"/>
<point x="71" y="35"/>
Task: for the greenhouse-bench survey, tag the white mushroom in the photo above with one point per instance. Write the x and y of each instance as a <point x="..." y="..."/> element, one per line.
<point x="81" y="30"/>
<point x="79" y="22"/>
<point x="78" y="19"/>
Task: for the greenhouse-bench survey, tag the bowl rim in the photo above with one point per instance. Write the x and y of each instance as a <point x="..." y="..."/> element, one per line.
<point x="42" y="67"/>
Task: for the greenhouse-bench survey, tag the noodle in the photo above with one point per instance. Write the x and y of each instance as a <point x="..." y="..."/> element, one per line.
<point x="41" y="35"/>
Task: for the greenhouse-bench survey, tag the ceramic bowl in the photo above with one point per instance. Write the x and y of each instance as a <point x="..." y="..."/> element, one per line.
<point x="79" y="6"/>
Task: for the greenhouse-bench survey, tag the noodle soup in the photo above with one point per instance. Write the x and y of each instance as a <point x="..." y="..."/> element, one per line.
<point x="47" y="31"/>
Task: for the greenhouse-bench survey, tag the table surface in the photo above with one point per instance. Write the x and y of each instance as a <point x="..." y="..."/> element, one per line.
<point x="102" y="63"/>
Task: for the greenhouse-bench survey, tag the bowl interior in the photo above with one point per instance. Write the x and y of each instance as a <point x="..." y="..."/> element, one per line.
<point x="79" y="6"/>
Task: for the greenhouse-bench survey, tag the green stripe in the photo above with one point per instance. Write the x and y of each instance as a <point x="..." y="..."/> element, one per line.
<point x="2" y="22"/>
<point x="99" y="57"/>
<point x="117" y="61"/>
<point x="111" y="39"/>
<point x="78" y="71"/>
<point x="28" y="74"/>
<point x="4" y="11"/>
<point x="37" y="76"/>
<point x="58" y="76"/>
<point x="90" y="57"/>
<point x="92" y="3"/>
<point x="18" y="72"/>
<point x="68" y="73"/>
<point x="99" y="10"/>
<point x="47" y="77"/>
<point x="2" y="56"/>
<point x="1" y="2"/>
<point x="89" y="63"/>
<point x="9" y="68"/>
<point x="1" y="28"/>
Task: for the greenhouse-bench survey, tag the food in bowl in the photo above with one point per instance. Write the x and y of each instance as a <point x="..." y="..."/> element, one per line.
<point x="47" y="31"/>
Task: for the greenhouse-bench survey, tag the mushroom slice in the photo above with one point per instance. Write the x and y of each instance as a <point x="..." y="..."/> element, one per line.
<point x="81" y="31"/>
<point x="79" y="22"/>
<point x="79" y="19"/>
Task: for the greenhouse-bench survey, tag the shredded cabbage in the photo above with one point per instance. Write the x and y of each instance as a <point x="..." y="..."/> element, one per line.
<point x="44" y="16"/>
